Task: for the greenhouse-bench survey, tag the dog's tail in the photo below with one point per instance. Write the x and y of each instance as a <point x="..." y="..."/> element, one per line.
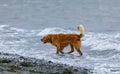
<point x="81" y="29"/>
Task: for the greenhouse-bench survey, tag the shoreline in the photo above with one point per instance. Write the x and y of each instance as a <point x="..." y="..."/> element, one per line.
<point x="16" y="64"/>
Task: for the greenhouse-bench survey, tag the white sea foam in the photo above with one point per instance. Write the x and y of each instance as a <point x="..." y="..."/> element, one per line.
<point x="54" y="31"/>
<point x="96" y="41"/>
<point x="27" y="43"/>
<point x="9" y="28"/>
<point x="107" y="68"/>
<point x="102" y="41"/>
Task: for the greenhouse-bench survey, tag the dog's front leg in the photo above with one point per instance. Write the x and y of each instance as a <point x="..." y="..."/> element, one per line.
<point x="58" y="49"/>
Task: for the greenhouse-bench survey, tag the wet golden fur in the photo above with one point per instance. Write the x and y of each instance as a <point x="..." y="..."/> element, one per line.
<point x="60" y="41"/>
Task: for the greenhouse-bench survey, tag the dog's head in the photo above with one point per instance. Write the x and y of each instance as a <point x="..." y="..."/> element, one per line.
<point x="47" y="39"/>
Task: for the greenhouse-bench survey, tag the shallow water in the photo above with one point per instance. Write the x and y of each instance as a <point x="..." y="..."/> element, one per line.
<point x="101" y="50"/>
<point x="24" y="22"/>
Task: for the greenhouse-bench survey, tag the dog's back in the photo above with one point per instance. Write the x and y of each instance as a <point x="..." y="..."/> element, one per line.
<point x="68" y="37"/>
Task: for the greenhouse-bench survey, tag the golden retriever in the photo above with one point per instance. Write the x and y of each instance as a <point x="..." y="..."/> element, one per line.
<point x="63" y="40"/>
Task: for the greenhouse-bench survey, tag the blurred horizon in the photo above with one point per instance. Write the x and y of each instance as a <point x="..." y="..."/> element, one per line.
<point x="96" y="15"/>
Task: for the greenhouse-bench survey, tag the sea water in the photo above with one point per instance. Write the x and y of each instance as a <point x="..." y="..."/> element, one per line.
<point x="24" y="22"/>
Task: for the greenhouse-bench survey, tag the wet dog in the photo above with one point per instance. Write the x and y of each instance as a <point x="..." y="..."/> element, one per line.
<point x="60" y="41"/>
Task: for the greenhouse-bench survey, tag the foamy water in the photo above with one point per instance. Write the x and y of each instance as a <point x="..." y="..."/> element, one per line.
<point x="101" y="51"/>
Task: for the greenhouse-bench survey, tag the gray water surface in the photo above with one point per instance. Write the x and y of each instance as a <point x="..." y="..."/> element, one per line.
<point x="24" y="22"/>
<point x="96" y="15"/>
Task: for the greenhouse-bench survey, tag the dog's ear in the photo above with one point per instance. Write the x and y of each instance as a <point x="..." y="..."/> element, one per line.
<point x="50" y="37"/>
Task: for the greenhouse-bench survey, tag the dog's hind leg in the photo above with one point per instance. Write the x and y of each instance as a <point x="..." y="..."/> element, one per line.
<point x="77" y="47"/>
<point x="72" y="49"/>
<point x="78" y="50"/>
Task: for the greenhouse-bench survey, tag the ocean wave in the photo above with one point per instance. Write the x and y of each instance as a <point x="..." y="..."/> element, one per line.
<point x="106" y="68"/>
<point x="96" y="41"/>
<point x="54" y="31"/>
<point x="5" y="28"/>
<point x="12" y="31"/>
<point x="27" y="43"/>
<point x="102" y="41"/>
